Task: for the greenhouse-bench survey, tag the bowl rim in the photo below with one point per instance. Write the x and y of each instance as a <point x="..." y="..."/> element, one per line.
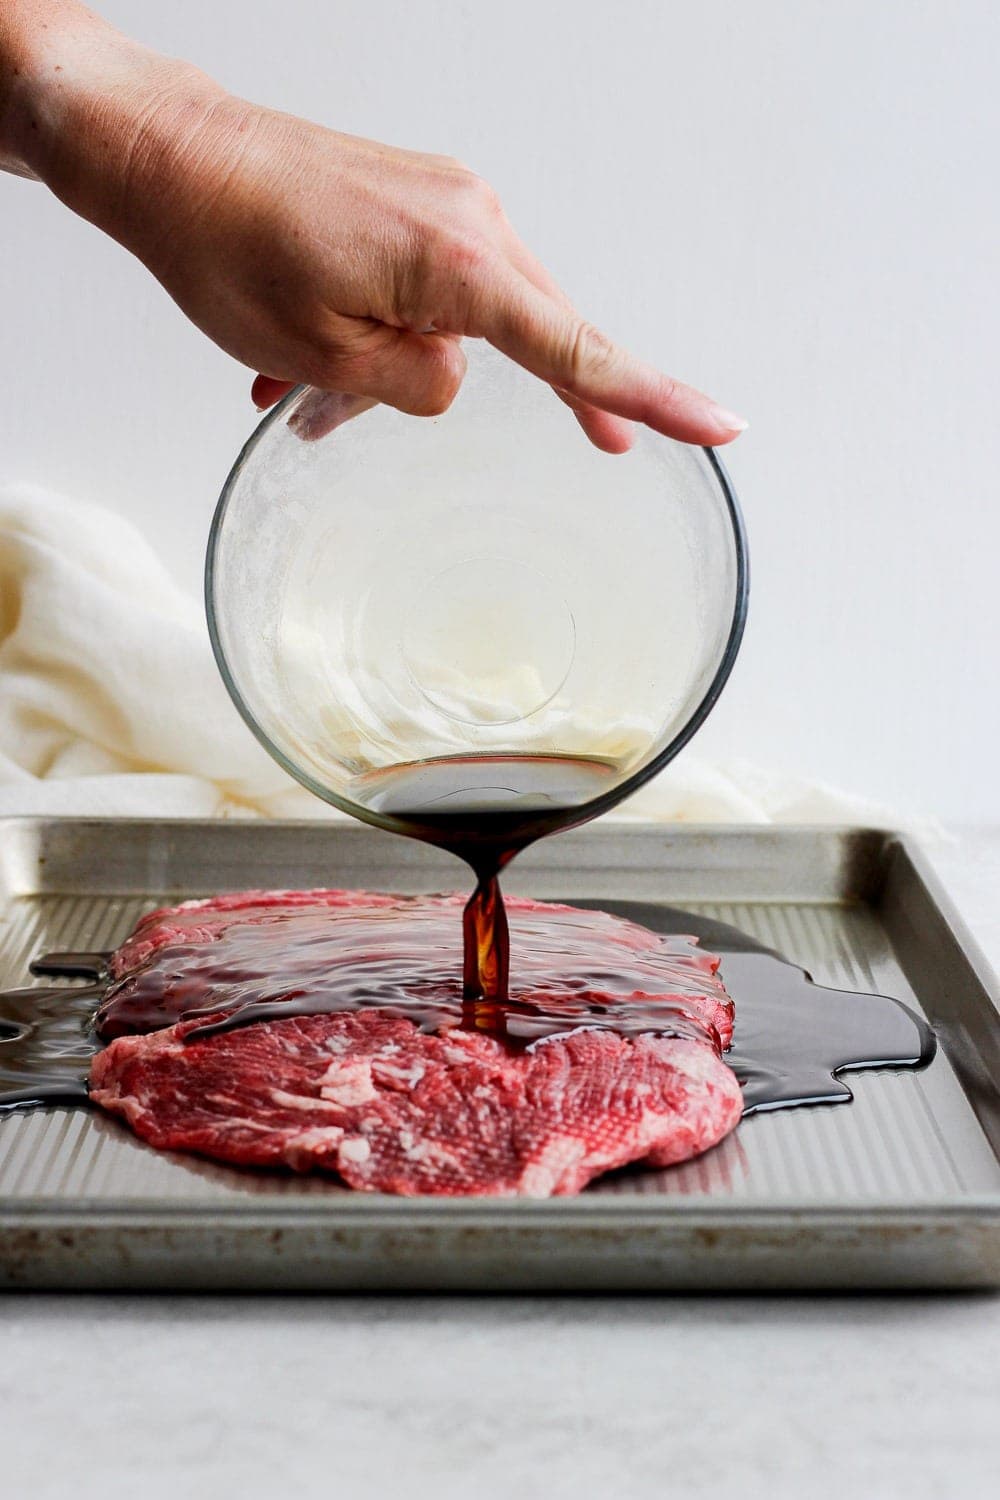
<point x="586" y="810"/>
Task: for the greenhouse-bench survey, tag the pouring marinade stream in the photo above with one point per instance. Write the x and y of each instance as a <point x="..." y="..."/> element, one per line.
<point x="485" y="810"/>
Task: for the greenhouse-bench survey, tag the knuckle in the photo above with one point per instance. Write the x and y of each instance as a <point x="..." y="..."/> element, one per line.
<point x="668" y="391"/>
<point x="472" y="189"/>
<point x="463" y="255"/>
<point x="486" y="196"/>
<point x="591" y="351"/>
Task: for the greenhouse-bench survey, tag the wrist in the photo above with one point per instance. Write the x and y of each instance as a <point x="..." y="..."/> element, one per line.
<point x="44" y="47"/>
<point x="87" y="110"/>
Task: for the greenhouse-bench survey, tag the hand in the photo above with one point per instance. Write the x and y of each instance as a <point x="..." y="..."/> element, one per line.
<point x="320" y="258"/>
<point x="402" y="256"/>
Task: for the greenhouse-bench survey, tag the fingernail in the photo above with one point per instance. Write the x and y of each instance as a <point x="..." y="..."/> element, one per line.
<point x="727" y="419"/>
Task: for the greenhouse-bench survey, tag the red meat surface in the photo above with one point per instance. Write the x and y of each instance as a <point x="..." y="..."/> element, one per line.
<point x="205" y="920"/>
<point x="309" y="948"/>
<point x="390" y="1107"/>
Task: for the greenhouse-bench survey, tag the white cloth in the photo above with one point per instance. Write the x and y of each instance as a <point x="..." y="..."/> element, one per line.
<point x="110" y="701"/>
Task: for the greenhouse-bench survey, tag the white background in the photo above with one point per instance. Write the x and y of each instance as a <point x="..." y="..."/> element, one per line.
<point x="790" y="204"/>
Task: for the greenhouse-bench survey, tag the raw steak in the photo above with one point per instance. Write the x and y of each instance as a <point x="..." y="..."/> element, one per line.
<point x="206" y="920"/>
<point x="311" y="948"/>
<point x="392" y="1109"/>
<point x="389" y="1106"/>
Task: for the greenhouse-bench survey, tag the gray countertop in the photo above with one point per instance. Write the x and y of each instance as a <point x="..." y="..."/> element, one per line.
<point x="547" y="1396"/>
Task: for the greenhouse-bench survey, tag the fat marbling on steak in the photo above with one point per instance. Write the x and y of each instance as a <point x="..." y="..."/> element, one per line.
<point x="390" y="1105"/>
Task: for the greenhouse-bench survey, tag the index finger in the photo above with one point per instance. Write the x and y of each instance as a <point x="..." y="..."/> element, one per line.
<point x="557" y="345"/>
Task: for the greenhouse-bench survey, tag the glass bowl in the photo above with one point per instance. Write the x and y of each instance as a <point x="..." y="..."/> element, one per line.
<point x="472" y="617"/>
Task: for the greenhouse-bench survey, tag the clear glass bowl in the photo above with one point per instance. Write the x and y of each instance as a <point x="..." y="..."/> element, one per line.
<point x="475" y="614"/>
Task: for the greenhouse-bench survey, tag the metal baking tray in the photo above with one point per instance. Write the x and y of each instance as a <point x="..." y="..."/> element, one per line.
<point x="900" y="1188"/>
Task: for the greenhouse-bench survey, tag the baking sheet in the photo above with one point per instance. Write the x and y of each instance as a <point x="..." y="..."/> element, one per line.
<point x="901" y="1188"/>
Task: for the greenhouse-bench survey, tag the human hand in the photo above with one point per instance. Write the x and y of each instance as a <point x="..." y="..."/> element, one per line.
<point x="438" y="260"/>
<point x="320" y="258"/>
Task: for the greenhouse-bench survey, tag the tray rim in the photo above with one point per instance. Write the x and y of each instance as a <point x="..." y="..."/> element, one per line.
<point x="379" y="1210"/>
<point x="873" y="839"/>
<point x="987" y="974"/>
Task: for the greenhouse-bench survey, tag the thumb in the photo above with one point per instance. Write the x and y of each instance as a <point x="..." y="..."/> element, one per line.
<point x="418" y="373"/>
